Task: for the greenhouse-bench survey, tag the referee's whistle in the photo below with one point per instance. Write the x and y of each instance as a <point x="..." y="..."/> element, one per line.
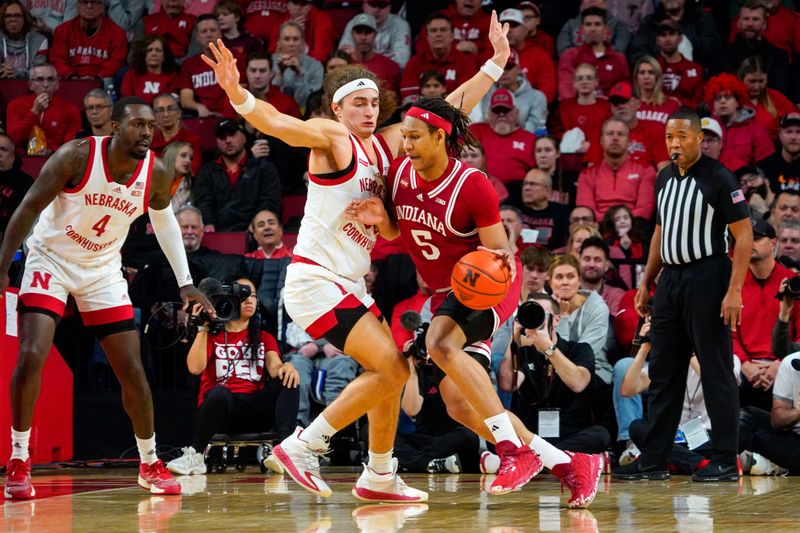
<point x="674" y="157"/>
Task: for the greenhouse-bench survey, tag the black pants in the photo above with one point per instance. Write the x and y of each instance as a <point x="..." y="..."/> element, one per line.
<point x="749" y="395"/>
<point x="781" y="446"/>
<point x="593" y="439"/>
<point x="685" y="320"/>
<point x="685" y="460"/>
<point x="415" y="450"/>
<point x="225" y="412"/>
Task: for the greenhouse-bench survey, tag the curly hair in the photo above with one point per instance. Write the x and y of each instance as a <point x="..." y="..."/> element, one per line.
<point x="138" y="53"/>
<point x="347" y="73"/>
<point x="725" y="83"/>
<point x="461" y="134"/>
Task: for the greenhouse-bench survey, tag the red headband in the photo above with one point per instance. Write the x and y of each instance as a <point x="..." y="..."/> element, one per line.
<point x="429" y="117"/>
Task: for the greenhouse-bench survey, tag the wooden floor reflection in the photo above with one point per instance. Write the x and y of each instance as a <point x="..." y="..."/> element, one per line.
<point x="109" y="500"/>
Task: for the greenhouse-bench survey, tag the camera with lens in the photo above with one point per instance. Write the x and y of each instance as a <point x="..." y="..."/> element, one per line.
<point x="531" y="315"/>
<point x="792" y="289"/>
<point x="411" y="321"/>
<point x="227" y="300"/>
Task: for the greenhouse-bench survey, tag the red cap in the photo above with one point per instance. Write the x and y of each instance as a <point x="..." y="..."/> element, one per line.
<point x="621" y="90"/>
<point x="513" y="58"/>
<point x="501" y="98"/>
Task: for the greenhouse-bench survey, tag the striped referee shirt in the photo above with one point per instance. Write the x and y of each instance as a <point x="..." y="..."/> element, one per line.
<point x="694" y="210"/>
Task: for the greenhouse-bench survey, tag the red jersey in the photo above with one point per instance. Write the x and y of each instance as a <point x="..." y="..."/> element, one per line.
<point x="439" y="219"/>
<point x="98" y="56"/>
<point x="657" y="114"/>
<point x="177" y="31"/>
<point x="200" y="78"/>
<point x="184" y="135"/>
<point x="264" y="16"/>
<point x="472" y="29"/>
<point x="231" y="364"/>
<point x="538" y="67"/>
<point x="456" y="67"/>
<point x="384" y="68"/>
<point x="512" y="154"/>
<point x="646" y="145"/>
<point x="589" y="118"/>
<point x="543" y="40"/>
<point x="320" y="34"/>
<point x="683" y="80"/>
<point x="148" y="85"/>
<point x="60" y="121"/>
<point x="279" y="252"/>
<point x="612" y="67"/>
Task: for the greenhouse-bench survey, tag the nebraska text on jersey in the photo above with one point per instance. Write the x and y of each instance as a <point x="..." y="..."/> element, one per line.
<point x="113" y="202"/>
<point x="100" y="53"/>
<point x="420" y="216"/>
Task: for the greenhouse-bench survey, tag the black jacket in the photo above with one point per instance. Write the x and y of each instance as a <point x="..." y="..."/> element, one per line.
<point x="232" y="209"/>
<point x="14" y="184"/>
<point x="775" y="60"/>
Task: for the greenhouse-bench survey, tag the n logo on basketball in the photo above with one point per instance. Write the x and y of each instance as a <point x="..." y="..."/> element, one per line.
<point x="471" y="277"/>
<point x="41" y="280"/>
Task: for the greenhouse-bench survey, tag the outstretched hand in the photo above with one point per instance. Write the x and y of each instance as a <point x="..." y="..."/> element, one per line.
<point x="498" y="36"/>
<point x="224" y="67"/>
<point x="370" y="211"/>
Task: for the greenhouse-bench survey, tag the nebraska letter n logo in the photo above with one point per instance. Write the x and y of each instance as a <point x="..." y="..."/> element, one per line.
<point x="41" y="280"/>
<point x="471" y="277"/>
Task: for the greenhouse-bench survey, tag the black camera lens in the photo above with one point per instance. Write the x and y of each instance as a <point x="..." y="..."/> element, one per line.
<point x="226" y="308"/>
<point x="793" y="286"/>
<point x="531" y="315"/>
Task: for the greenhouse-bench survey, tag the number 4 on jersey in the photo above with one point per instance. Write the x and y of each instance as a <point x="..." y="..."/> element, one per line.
<point x="100" y="226"/>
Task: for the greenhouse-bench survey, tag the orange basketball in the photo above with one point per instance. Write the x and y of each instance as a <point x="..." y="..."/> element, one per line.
<point x="480" y="280"/>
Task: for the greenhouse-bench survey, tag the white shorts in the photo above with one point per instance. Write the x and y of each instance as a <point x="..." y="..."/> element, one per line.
<point x="100" y="292"/>
<point x="325" y="304"/>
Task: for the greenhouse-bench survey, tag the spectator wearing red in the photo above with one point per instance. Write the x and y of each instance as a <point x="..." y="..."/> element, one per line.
<point x="229" y="16"/>
<point x="781" y="30"/>
<point x="267" y="231"/>
<point x="193" y="7"/>
<point x="769" y="104"/>
<point x="58" y="118"/>
<point x="532" y="18"/>
<point x="153" y="70"/>
<point x="648" y="86"/>
<point x="646" y="144"/>
<point x="401" y="329"/>
<point x="170" y="129"/>
<point x="172" y="23"/>
<point x="318" y="30"/>
<point x="197" y="83"/>
<point x="364" y="33"/>
<point x="612" y="66"/>
<point x="470" y="29"/>
<point x="511" y="147"/>
<point x="456" y="67"/>
<point x="683" y="79"/>
<point x="537" y="65"/>
<point x="262" y="17"/>
<point x="617" y="180"/>
<point x="90" y="45"/>
<point x="746" y="141"/>
<point x="584" y="110"/>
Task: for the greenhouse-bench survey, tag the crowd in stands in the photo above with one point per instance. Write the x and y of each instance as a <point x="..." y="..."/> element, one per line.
<point x="571" y="137"/>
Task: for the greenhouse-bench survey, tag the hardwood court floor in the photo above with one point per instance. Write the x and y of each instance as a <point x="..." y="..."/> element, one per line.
<point x="80" y="500"/>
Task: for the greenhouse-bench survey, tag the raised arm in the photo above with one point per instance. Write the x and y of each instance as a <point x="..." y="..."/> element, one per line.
<point x="316" y="133"/>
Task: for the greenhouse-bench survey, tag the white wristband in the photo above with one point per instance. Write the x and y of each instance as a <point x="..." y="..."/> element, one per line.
<point x="491" y="69"/>
<point x="247" y="106"/>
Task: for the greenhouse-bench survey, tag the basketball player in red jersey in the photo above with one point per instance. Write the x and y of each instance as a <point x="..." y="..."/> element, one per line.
<point x="325" y="292"/>
<point x="444" y="210"/>
<point x="86" y="197"/>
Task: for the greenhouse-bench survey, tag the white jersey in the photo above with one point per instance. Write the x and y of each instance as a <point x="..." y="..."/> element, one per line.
<point x="326" y="237"/>
<point x="88" y="224"/>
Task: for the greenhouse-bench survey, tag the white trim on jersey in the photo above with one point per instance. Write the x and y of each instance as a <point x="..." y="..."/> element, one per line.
<point x="451" y="205"/>
<point x="397" y="175"/>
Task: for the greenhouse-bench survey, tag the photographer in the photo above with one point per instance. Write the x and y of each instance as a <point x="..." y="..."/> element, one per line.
<point x="236" y="394"/>
<point x="551" y="375"/>
<point x="783" y="332"/>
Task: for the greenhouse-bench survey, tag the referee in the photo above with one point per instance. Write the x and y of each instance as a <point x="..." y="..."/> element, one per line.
<point x="697" y="302"/>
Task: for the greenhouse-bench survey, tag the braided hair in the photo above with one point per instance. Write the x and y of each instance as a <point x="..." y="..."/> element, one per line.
<point x="460" y="134"/>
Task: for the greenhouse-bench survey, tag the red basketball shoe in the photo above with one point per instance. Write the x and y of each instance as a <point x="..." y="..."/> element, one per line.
<point x="18" y="480"/>
<point x="157" y="479"/>
<point x="518" y="465"/>
<point x="581" y="476"/>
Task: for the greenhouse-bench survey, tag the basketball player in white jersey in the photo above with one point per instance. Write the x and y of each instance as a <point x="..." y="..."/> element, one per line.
<point x="325" y="293"/>
<point x="86" y="197"/>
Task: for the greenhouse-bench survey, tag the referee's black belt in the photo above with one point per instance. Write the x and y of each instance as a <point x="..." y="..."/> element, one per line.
<point x="696" y="262"/>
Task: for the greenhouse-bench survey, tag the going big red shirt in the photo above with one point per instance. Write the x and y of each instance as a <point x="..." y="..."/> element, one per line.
<point x="231" y="364"/>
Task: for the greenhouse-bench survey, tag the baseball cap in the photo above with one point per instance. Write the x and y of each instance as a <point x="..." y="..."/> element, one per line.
<point x="712" y="125"/>
<point x="501" y="98"/>
<point x="668" y="24"/>
<point x="227" y="127"/>
<point x="378" y="3"/>
<point x="513" y="58"/>
<point x="621" y="91"/>
<point x="530" y="5"/>
<point x="366" y="20"/>
<point x="790" y="119"/>
<point x="512" y="15"/>
<point x="762" y="228"/>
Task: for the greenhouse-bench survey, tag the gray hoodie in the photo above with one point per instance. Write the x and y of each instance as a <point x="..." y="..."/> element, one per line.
<point x="589" y="324"/>
<point x="299" y="85"/>
<point x="531" y="103"/>
<point x="23" y="54"/>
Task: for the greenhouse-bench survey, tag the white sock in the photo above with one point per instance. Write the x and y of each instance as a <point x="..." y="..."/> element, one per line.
<point x="502" y="429"/>
<point x="380" y="463"/>
<point x="318" y="429"/>
<point x="147" y="449"/>
<point x="19" y="444"/>
<point x="549" y="454"/>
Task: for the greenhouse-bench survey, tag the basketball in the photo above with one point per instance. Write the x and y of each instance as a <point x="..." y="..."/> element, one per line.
<point x="480" y="280"/>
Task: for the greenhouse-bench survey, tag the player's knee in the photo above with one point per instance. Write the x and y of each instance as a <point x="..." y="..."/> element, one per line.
<point x="396" y="373"/>
<point x="440" y="350"/>
<point x="30" y="360"/>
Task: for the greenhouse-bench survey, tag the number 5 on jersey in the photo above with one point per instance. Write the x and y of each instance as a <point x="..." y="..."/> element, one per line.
<point x="100" y="226"/>
<point x="423" y="238"/>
